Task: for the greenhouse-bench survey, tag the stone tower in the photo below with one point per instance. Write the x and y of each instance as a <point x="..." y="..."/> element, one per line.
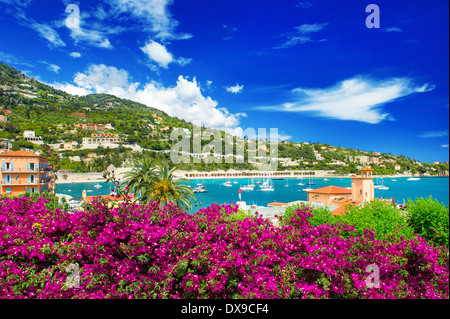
<point x="362" y="186"/>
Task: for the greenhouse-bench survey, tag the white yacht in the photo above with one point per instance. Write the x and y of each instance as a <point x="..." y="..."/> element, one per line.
<point x="247" y="188"/>
<point x="267" y="186"/>
<point x="413" y="179"/>
<point x="227" y="184"/>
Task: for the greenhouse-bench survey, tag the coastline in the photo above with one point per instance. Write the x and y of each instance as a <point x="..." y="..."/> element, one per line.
<point x="232" y="174"/>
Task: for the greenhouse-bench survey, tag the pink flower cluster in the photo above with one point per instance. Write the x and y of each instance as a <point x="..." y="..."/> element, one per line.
<point x="144" y="251"/>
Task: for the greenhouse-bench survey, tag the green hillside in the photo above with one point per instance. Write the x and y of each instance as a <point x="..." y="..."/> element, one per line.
<point x="29" y="105"/>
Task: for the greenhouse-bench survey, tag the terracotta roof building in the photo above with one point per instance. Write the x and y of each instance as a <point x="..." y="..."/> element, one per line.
<point x="23" y="171"/>
<point x="362" y="190"/>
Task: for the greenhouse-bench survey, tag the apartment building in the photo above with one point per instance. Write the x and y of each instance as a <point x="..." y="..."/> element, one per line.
<point x="23" y="171"/>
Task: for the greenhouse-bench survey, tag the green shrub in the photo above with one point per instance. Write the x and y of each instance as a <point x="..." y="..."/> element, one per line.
<point x="387" y="221"/>
<point x="429" y="218"/>
<point x="241" y="214"/>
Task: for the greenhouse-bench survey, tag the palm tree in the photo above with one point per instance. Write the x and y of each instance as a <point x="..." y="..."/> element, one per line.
<point x="157" y="182"/>
<point x="140" y="178"/>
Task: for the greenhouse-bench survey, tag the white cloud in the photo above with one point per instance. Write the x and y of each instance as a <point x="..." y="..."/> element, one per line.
<point x="392" y="29"/>
<point x="92" y="37"/>
<point x="302" y="35"/>
<point x="356" y="99"/>
<point x="159" y="54"/>
<point x="153" y="15"/>
<point x="71" y="89"/>
<point x="51" y="67"/>
<point x="235" y="89"/>
<point x="431" y="134"/>
<point x="10" y="59"/>
<point x="75" y="54"/>
<point x="184" y="100"/>
<point x="20" y="3"/>
<point x="304" y="4"/>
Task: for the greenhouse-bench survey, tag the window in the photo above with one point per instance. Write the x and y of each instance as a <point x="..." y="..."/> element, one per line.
<point x="32" y="179"/>
<point x="7" y="179"/>
<point x="8" y="191"/>
<point x="7" y="167"/>
<point x="31" y="167"/>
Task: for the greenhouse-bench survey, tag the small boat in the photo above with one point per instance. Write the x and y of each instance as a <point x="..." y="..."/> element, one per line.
<point x="307" y="189"/>
<point x="235" y="182"/>
<point x="89" y="191"/>
<point x="413" y="179"/>
<point x="267" y="186"/>
<point x="326" y="180"/>
<point x="200" y="190"/>
<point x="227" y="184"/>
<point x="382" y="187"/>
<point x="277" y="178"/>
<point x="393" y="180"/>
<point x="247" y="188"/>
<point x="97" y="185"/>
<point x="311" y="182"/>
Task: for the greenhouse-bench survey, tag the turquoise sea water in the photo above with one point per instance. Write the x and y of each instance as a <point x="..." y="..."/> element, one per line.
<point x="437" y="187"/>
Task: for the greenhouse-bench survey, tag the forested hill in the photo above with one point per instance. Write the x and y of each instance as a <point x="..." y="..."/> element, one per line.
<point x="59" y="118"/>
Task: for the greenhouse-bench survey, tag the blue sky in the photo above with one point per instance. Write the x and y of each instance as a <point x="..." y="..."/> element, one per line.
<point x="310" y="68"/>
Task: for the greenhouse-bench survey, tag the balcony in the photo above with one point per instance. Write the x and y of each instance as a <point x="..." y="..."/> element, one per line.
<point x="24" y="170"/>
<point x="19" y="183"/>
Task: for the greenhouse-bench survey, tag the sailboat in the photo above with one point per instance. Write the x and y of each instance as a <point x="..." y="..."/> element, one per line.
<point x="310" y="182"/>
<point x="301" y="182"/>
<point x="227" y="184"/>
<point x="287" y="183"/>
<point x="267" y="186"/>
<point x="377" y="185"/>
<point x="200" y="185"/>
<point x="382" y="187"/>
<point x="248" y="187"/>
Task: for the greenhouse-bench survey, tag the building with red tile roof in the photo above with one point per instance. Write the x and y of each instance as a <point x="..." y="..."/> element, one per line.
<point x="23" y="171"/>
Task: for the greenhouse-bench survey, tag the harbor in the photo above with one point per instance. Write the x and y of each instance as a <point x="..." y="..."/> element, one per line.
<point x="284" y="191"/>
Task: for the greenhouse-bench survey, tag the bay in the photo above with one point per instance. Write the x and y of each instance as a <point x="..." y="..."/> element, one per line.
<point x="286" y="190"/>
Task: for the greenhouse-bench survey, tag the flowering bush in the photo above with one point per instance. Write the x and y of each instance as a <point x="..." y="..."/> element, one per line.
<point x="144" y="251"/>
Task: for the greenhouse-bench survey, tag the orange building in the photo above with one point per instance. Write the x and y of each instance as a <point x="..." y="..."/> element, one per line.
<point x="327" y="195"/>
<point x="362" y="190"/>
<point x="23" y="171"/>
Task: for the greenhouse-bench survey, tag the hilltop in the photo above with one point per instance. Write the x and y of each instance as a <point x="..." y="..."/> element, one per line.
<point x="36" y="113"/>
